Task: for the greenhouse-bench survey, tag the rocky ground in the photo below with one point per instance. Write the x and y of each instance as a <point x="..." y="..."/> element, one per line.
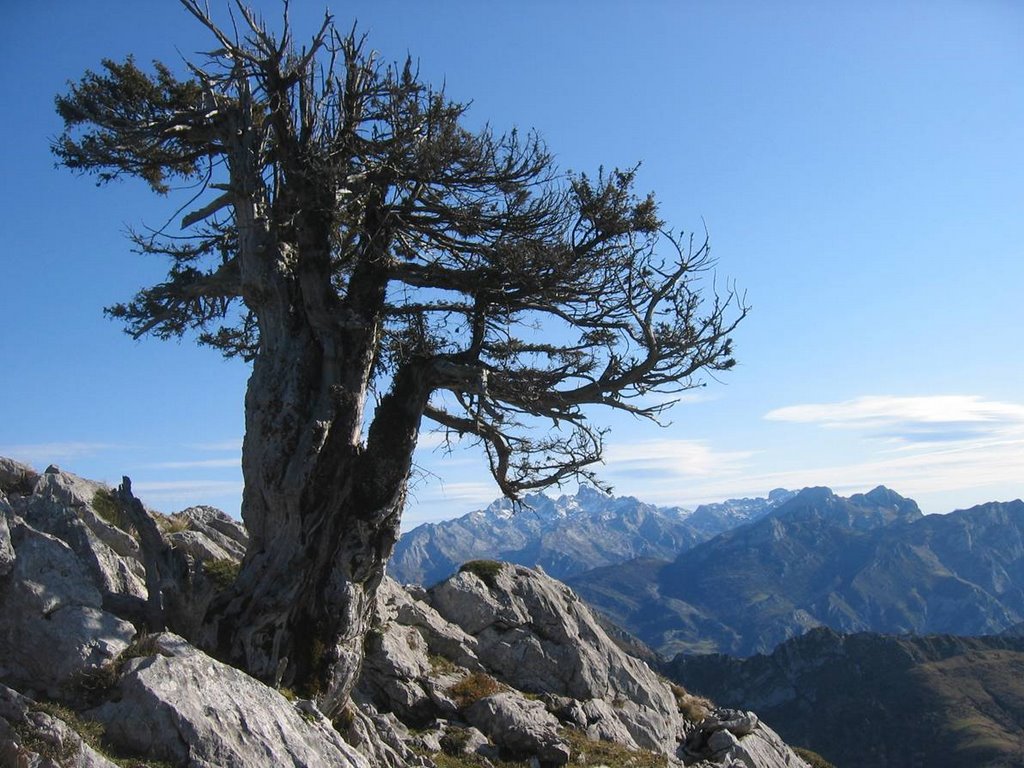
<point x="499" y="663"/>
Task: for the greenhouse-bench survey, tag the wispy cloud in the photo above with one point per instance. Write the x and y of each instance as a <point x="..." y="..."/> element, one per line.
<point x="231" y="444"/>
<point x="928" y="418"/>
<point x="197" y="464"/>
<point x="675" y="458"/>
<point x="170" y="495"/>
<point x="921" y="445"/>
<point x="48" y="453"/>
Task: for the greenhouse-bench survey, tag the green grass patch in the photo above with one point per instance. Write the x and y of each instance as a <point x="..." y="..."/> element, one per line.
<point x="106" y="505"/>
<point x="222" y="571"/>
<point x="439" y="665"/>
<point x="486" y="570"/>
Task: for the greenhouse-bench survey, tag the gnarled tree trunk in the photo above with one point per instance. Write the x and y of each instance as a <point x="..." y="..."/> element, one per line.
<point x="322" y="504"/>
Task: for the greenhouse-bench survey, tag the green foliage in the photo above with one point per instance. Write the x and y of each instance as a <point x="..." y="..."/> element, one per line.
<point x="222" y="571"/>
<point x="98" y="108"/>
<point x="486" y="570"/>
<point x="813" y="759"/>
<point x="454" y="741"/>
<point x="472" y="688"/>
<point x="439" y="665"/>
<point x="106" y="505"/>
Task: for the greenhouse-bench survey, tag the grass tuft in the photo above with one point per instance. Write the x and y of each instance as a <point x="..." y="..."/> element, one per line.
<point x="106" y="505"/>
<point x="472" y="688"/>
<point x="222" y="571"/>
<point x="486" y="570"/>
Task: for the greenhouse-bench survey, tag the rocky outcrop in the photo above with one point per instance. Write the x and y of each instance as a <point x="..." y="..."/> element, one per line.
<point x="737" y="739"/>
<point x="498" y="662"/>
<point x="53" y="624"/>
<point x="535" y="633"/>
<point x="178" y="705"/>
<point x="32" y="737"/>
<point x="502" y="660"/>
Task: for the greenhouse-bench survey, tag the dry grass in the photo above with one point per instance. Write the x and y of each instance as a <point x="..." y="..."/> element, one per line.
<point x="473" y="687"/>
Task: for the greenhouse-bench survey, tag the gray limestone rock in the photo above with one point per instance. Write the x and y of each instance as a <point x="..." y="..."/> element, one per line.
<point x="6" y="548"/>
<point x="537" y="636"/>
<point x="16" y="477"/>
<point x="730" y="737"/>
<point x="395" y="672"/>
<point x="408" y="606"/>
<point x="33" y="738"/>
<point x="199" y="546"/>
<point x="225" y="532"/>
<point x="520" y="726"/>
<point x="53" y="625"/>
<point x="182" y="706"/>
<point x="68" y="507"/>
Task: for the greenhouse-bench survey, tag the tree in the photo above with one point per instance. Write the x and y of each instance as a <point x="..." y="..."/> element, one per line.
<point x="357" y="243"/>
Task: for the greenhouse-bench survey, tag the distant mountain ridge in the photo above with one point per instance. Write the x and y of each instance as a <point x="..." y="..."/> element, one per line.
<point x="871" y="562"/>
<point x="568" y="535"/>
<point x="869" y="699"/>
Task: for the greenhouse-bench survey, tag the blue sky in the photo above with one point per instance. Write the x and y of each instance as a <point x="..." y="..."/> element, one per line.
<point x="859" y="167"/>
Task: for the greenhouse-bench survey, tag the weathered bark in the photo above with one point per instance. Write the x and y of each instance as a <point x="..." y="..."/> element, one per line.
<point x="321" y="505"/>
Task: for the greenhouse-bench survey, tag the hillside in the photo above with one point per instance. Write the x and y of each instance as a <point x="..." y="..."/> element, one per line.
<point x="871" y="562"/>
<point x="103" y="661"/>
<point x="894" y="701"/>
<point x="567" y="535"/>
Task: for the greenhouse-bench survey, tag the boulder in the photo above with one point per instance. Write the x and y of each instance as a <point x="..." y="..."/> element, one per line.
<point x="53" y="625"/>
<point x="730" y="737"/>
<point x="536" y="635"/>
<point x="222" y="531"/>
<point x="395" y="672"/>
<point x="519" y="726"/>
<point x="81" y="513"/>
<point x="409" y="607"/>
<point x="199" y="546"/>
<point x="182" y="706"/>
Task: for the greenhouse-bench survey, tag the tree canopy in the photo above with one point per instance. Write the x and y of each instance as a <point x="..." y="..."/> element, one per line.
<point x="342" y="228"/>
<point x="459" y="244"/>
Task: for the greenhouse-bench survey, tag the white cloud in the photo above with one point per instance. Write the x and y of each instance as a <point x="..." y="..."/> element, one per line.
<point x="875" y="411"/>
<point x="170" y="495"/>
<point x="197" y="464"/>
<point x="945" y="445"/>
<point x="50" y="453"/>
<point x="231" y="444"/>
<point x="678" y="458"/>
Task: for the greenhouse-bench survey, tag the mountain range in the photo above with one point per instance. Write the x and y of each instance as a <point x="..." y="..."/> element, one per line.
<point x="870" y="562"/>
<point x="869" y="699"/>
<point x="568" y="535"/>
